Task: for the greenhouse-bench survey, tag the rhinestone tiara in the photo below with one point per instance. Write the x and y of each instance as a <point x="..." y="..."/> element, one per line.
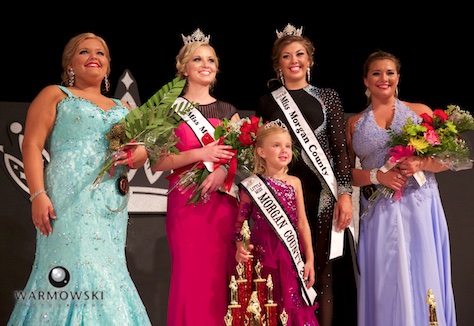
<point x="197" y="36"/>
<point x="276" y="123"/>
<point x="290" y="30"/>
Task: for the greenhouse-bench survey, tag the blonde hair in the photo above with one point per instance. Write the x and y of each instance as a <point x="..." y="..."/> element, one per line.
<point x="185" y="55"/>
<point x="70" y="50"/>
<point x="263" y="133"/>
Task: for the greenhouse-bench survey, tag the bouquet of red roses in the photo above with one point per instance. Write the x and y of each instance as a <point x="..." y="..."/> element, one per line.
<point x="437" y="136"/>
<point x="240" y="135"/>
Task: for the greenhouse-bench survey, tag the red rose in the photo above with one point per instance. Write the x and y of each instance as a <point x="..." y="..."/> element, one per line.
<point x="441" y="114"/>
<point x="254" y="120"/>
<point x="245" y="128"/>
<point x="427" y="118"/>
<point x="245" y="139"/>
<point x="427" y="125"/>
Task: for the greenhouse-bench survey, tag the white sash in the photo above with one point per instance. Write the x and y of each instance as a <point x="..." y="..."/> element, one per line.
<point x="204" y="131"/>
<point x="277" y="217"/>
<point x="315" y="152"/>
<point x="306" y="137"/>
<point x="201" y="127"/>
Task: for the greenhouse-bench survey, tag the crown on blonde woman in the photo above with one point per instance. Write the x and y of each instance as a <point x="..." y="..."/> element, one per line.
<point x="197" y="36"/>
<point x="290" y="30"/>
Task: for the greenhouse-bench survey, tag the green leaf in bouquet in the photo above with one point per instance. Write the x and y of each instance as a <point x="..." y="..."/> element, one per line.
<point x="152" y="123"/>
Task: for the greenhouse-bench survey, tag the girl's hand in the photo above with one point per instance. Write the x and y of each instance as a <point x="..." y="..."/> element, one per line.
<point x="242" y="255"/>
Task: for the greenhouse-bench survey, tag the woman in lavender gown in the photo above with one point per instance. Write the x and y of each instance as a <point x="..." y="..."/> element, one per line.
<point x="403" y="249"/>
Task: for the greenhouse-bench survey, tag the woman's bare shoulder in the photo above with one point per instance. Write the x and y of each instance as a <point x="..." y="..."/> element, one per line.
<point x="419" y="108"/>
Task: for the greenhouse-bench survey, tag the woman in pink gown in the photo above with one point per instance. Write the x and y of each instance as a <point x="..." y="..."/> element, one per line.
<point x="200" y="236"/>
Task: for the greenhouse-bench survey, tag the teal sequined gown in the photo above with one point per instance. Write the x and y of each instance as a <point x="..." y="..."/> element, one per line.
<point x="88" y="239"/>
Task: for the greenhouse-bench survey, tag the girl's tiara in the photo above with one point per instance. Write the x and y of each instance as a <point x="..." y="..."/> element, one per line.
<point x="276" y="123"/>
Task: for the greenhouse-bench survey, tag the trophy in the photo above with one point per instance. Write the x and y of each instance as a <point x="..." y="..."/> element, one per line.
<point x="251" y="299"/>
<point x="431" y="301"/>
<point x="255" y="318"/>
<point x="270" y="306"/>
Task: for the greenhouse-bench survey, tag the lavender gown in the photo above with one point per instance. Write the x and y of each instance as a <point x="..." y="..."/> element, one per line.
<point x="403" y="245"/>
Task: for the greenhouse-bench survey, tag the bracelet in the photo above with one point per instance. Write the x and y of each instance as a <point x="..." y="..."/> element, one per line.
<point x="373" y="176"/>
<point x="37" y="193"/>
<point x="224" y="168"/>
<point x="129" y="158"/>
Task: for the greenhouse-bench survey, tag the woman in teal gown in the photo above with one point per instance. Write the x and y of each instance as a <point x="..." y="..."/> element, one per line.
<point x="79" y="275"/>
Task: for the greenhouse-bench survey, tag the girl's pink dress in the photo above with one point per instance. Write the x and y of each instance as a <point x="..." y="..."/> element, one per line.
<point x="274" y="256"/>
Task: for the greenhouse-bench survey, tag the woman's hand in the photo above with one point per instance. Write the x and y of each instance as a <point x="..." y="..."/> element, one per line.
<point x="213" y="152"/>
<point x="42" y="211"/>
<point x="393" y="178"/>
<point x="134" y="156"/>
<point x="410" y="165"/>
<point x="343" y="212"/>
<point x="213" y="182"/>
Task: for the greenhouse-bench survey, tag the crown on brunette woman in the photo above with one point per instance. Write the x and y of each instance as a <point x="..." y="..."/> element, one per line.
<point x="290" y="30"/>
<point x="197" y="36"/>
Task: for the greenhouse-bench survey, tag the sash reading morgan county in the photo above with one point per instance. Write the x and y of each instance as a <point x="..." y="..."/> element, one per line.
<point x="311" y="146"/>
<point x="305" y="136"/>
<point x="201" y="127"/>
<point x="277" y="217"/>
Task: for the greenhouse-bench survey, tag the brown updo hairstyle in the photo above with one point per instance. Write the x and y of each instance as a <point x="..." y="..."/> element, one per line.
<point x="283" y="41"/>
<point x="71" y="48"/>
<point x="380" y="55"/>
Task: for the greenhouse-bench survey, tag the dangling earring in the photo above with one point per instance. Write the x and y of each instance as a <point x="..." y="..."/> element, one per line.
<point x="396" y="92"/>
<point x="308" y="74"/>
<point x="106" y="83"/>
<point x="282" y="79"/>
<point x="71" y="79"/>
<point x="368" y="93"/>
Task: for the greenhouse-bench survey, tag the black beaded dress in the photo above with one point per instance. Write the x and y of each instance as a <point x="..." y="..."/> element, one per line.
<point x="323" y="110"/>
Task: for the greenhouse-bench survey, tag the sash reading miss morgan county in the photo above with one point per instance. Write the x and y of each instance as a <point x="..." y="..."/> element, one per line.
<point x="201" y="127"/>
<point x="277" y="217"/>
<point x="315" y="152"/>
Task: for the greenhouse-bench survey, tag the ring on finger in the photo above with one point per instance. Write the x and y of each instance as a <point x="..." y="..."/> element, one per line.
<point x="399" y="176"/>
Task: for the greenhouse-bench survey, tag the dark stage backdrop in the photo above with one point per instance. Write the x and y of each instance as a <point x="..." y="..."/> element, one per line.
<point x="431" y="43"/>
